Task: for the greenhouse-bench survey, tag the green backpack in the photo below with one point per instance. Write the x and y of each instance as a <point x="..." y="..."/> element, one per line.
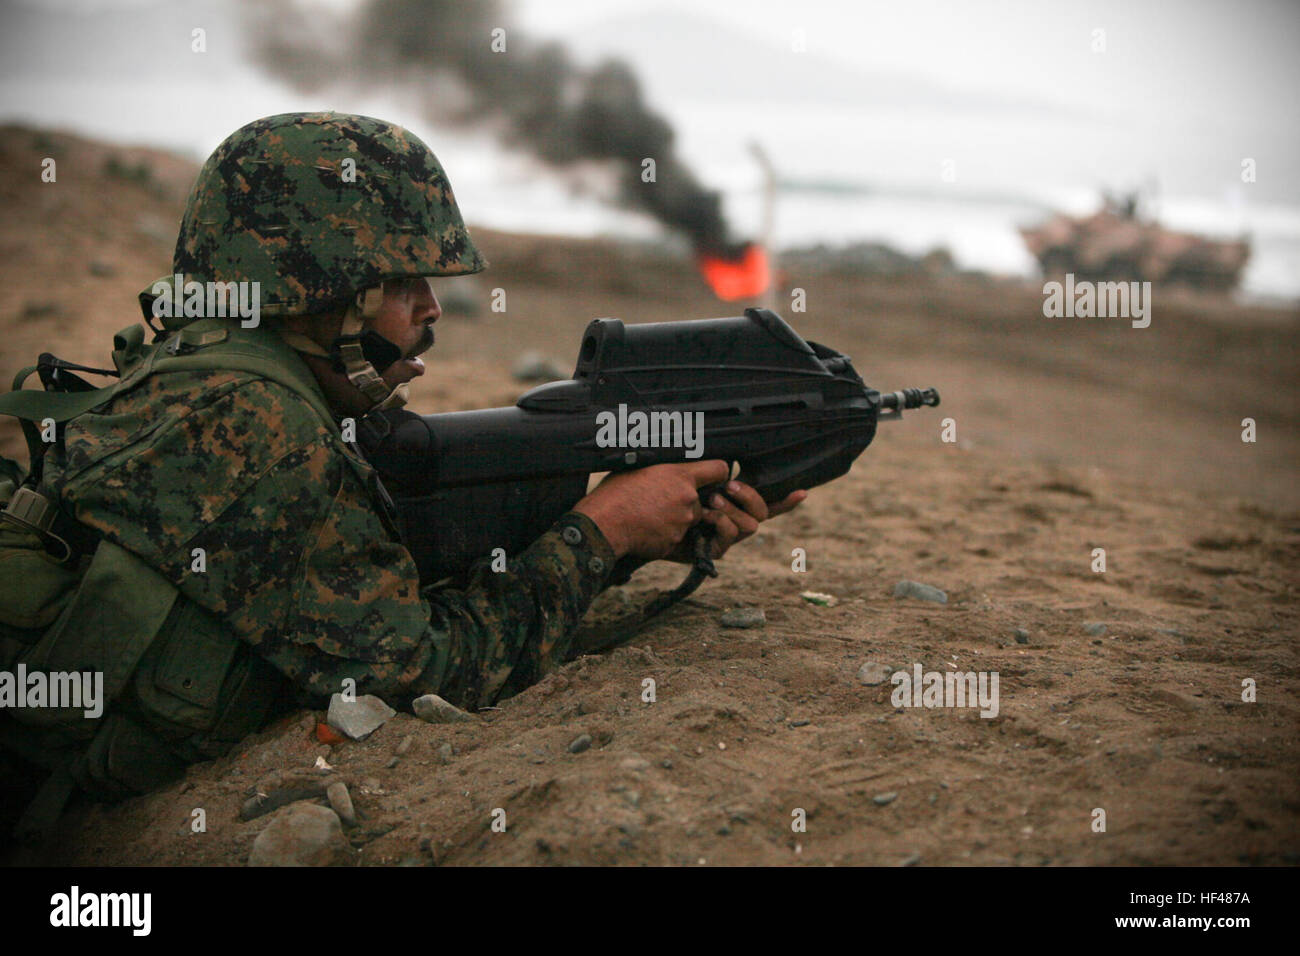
<point x="183" y="687"/>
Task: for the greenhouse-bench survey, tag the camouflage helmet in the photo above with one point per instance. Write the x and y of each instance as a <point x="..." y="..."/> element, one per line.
<point x="317" y="207"/>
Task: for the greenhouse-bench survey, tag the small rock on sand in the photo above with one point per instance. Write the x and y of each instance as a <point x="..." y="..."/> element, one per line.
<point x="341" y="801"/>
<point x="536" y="367"/>
<point x="302" y="834"/>
<point x="744" y="617"/>
<point x="922" y="592"/>
<point x="434" y="710"/>
<point x="872" y="673"/>
<point x="359" y="718"/>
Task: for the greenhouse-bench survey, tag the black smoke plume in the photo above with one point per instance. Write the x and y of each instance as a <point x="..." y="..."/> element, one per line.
<point x="533" y="94"/>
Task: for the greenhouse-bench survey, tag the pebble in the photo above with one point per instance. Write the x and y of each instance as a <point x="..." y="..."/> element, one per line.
<point x="536" y="367"/>
<point x="432" y="709"/>
<point x="404" y="746"/>
<point x="872" y="673"/>
<point x="359" y="718"/>
<point x="38" y="310"/>
<point x="884" y="799"/>
<point x="341" y="801"/>
<point x="912" y="860"/>
<point x="800" y="723"/>
<point x="922" y="592"/>
<point x="1094" y="629"/>
<point x="580" y="743"/>
<point x="1020" y="634"/>
<point x="744" y="617"/>
<point x="302" y="834"/>
<point x="445" y="753"/>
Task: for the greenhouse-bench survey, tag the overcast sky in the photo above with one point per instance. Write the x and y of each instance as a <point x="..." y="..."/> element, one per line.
<point x="1216" y="58"/>
<point x="1191" y="74"/>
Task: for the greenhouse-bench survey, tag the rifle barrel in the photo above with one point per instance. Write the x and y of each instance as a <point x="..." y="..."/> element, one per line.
<point x="909" y="398"/>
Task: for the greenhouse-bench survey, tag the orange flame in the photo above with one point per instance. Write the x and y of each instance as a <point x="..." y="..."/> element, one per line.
<point x="743" y="278"/>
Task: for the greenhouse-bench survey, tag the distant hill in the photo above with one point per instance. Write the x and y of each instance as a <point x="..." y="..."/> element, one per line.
<point x="77" y="250"/>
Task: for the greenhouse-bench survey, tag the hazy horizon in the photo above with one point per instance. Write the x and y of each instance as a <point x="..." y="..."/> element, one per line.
<point x="1014" y="100"/>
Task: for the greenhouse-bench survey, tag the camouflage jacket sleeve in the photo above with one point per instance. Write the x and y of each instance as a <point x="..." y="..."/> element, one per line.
<point x="299" y="558"/>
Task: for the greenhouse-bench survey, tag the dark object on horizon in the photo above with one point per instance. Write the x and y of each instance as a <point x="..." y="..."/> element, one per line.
<point x="1117" y="244"/>
<point x="792" y="414"/>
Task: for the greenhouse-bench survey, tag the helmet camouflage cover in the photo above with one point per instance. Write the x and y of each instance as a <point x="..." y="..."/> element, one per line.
<point x="317" y="207"/>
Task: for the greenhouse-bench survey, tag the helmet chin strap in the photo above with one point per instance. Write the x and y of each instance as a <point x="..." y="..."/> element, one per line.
<point x="348" y="352"/>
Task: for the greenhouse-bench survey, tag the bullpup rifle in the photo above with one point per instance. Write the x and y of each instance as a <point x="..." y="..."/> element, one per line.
<point x="748" y="390"/>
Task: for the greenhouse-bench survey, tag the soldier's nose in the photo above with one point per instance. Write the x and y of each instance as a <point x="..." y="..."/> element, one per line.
<point x="428" y="308"/>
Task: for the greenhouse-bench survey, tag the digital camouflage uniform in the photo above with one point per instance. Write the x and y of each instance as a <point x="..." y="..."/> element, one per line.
<point x="301" y="559"/>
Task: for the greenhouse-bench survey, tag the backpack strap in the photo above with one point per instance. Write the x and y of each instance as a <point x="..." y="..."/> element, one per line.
<point x="36" y="406"/>
<point x="66" y="397"/>
<point x="204" y="344"/>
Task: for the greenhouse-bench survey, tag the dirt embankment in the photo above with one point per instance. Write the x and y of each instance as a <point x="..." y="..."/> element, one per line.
<point x="1122" y="690"/>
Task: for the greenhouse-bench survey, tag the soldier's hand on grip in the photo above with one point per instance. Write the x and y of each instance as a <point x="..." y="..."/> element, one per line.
<point x="647" y="512"/>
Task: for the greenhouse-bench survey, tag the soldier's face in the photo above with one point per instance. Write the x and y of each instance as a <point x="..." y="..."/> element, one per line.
<point x="406" y="319"/>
